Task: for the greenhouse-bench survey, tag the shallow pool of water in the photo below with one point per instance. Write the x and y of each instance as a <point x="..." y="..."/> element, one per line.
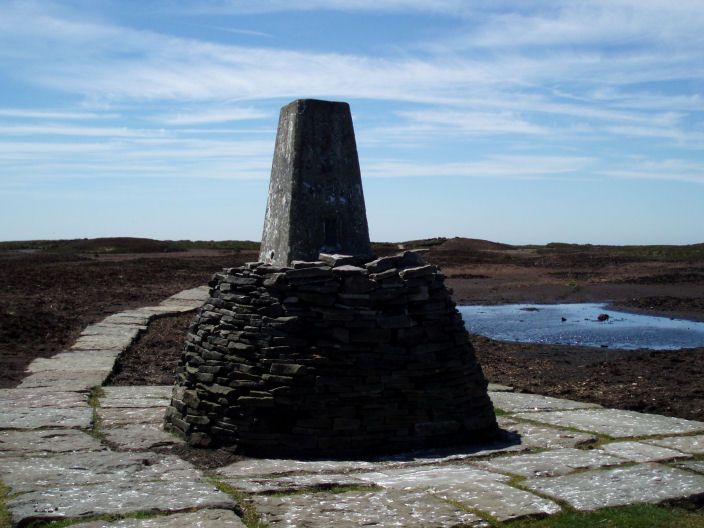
<point x="579" y="324"/>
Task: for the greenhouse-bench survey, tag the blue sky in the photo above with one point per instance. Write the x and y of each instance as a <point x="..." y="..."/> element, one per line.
<point x="516" y="121"/>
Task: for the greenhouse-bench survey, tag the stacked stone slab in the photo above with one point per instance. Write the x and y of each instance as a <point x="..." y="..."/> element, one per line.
<point x="334" y="357"/>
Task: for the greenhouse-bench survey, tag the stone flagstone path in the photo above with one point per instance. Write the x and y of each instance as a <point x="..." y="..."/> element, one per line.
<point x="554" y="452"/>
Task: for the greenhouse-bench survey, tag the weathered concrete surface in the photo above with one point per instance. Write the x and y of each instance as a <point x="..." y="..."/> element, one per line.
<point x="385" y="508"/>
<point x="519" y="402"/>
<point x="640" y="452"/>
<point x="198" y="519"/>
<point x="116" y="497"/>
<point x="35" y="418"/>
<point x="687" y="444"/>
<point x="45" y="442"/>
<point x="272" y="466"/>
<point x="616" y="423"/>
<point x="643" y="483"/>
<point x="551" y="463"/>
<point x="315" y="203"/>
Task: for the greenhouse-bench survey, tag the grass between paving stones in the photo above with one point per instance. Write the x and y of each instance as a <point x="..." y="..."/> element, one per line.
<point x="108" y="517"/>
<point x="5" y="519"/>
<point x="501" y="412"/>
<point x="635" y="516"/>
<point x="250" y="516"/>
<point x="94" y="402"/>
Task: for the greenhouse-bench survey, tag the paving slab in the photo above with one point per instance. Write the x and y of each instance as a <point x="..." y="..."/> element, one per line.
<point x="77" y="469"/>
<point x="128" y="317"/>
<point x="286" y="484"/>
<point x="118" y="416"/>
<point x="46" y="442"/>
<point x="116" y="498"/>
<point x="139" y="437"/>
<point x="530" y="436"/>
<point x="693" y="465"/>
<point x="519" y="402"/>
<point x="65" y="380"/>
<point x="551" y="463"/>
<point x="130" y="331"/>
<point x="274" y="466"/>
<point x="136" y="396"/>
<point x="615" y="422"/>
<point x="385" y="508"/>
<point x="640" y="452"/>
<point x="31" y="398"/>
<point x="198" y="519"/>
<point x="76" y="360"/>
<point x="497" y="387"/>
<point x="687" y="444"/>
<point x="19" y="418"/>
<point x="101" y="342"/>
<point x="197" y="296"/>
<point x="474" y="488"/>
<point x="642" y="483"/>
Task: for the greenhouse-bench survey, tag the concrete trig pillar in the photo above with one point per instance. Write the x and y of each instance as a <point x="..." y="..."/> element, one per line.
<point x="316" y="203"/>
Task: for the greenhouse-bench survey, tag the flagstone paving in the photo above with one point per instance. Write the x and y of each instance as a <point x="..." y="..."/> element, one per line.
<point x="551" y="452"/>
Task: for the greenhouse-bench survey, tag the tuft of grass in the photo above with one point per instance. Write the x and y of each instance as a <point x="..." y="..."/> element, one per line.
<point x="636" y="516"/>
<point x="94" y="402"/>
<point x="249" y="514"/>
<point x="5" y="518"/>
<point x="500" y="412"/>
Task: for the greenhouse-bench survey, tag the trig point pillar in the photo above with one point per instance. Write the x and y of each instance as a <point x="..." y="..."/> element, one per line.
<point x="316" y="203"/>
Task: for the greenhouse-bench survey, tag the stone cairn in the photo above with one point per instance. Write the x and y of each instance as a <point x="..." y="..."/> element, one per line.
<point x="342" y="354"/>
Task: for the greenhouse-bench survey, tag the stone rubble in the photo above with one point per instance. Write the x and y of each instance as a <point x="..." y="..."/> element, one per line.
<point x="54" y="469"/>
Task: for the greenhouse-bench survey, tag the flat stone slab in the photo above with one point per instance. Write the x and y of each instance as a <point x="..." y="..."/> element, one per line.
<point x="616" y="423"/>
<point x="45" y="442"/>
<point x="293" y="483"/>
<point x="78" y="469"/>
<point x="643" y="483"/>
<point x="385" y="508"/>
<point x="74" y="417"/>
<point x="519" y="402"/>
<point x="65" y="380"/>
<point x="196" y="295"/>
<point x="102" y="342"/>
<point x="198" y="519"/>
<point x="694" y="465"/>
<point x="270" y="466"/>
<point x="139" y="437"/>
<point x="116" y="498"/>
<point x="78" y="360"/>
<point x="640" y="452"/>
<point x="136" y="396"/>
<point x="118" y="416"/>
<point x="473" y="488"/>
<point x="30" y="398"/>
<point x="551" y="463"/>
<point x="686" y="444"/>
<point x="497" y="387"/>
<point x="129" y="317"/>
<point x="531" y="436"/>
<point x="125" y="330"/>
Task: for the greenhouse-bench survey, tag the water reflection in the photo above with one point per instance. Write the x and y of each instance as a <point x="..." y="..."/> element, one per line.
<point x="588" y="324"/>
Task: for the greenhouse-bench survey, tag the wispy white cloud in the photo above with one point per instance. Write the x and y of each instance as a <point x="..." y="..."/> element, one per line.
<point x="48" y="114"/>
<point x="667" y="170"/>
<point x="212" y="115"/>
